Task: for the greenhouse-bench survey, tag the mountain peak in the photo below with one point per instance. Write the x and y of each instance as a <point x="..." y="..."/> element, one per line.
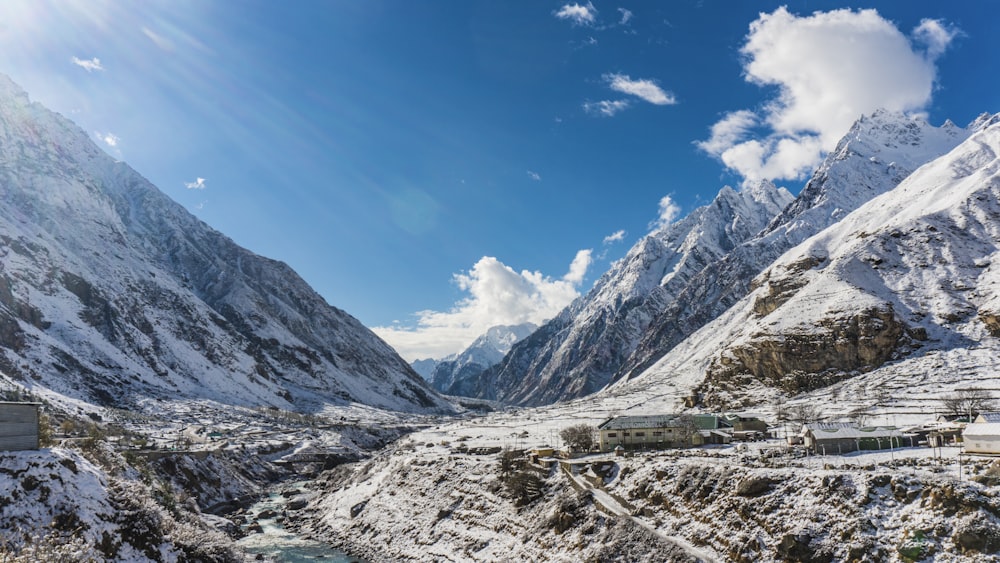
<point x="110" y="293"/>
<point x="983" y="121"/>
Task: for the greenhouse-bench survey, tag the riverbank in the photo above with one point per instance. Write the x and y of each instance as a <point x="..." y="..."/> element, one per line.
<point x="268" y="537"/>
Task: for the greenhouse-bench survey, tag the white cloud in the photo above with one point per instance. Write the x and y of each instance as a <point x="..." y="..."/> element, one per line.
<point x="936" y="35"/>
<point x="534" y="176"/>
<point x="577" y="14"/>
<point x="88" y="64"/>
<point x="669" y="212"/>
<point x="729" y="131"/>
<point x="198" y="184"/>
<point x="607" y="108"/>
<point x="626" y="16"/>
<point x="497" y="295"/>
<point x="614" y="237"/>
<point x="830" y="68"/>
<point x="646" y="89"/>
<point x="578" y="268"/>
<point x="109" y="139"/>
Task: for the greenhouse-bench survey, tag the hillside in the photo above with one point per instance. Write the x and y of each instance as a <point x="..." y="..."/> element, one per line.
<point x="111" y="293"/>
<point x="883" y="311"/>
<point x="579" y="351"/>
<point x="677" y="279"/>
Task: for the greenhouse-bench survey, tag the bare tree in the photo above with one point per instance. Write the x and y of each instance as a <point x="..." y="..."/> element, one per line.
<point x="510" y="460"/>
<point x="800" y="414"/>
<point x="580" y="437"/>
<point x="968" y="403"/>
<point x="686" y="429"/>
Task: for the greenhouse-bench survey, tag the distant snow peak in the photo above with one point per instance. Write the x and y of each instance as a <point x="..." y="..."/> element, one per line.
<point x="454" y="375"/>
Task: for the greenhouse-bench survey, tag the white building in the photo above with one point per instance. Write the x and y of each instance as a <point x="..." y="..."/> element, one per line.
<point x="982" y="438"/>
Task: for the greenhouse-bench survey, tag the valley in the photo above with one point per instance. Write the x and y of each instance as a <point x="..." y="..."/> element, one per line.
<point x="182" y="380"/>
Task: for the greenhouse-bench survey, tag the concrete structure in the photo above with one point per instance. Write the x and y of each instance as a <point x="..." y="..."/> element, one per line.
<point x="647" y="432"/>
<point x="844" y="437"/>
<point x="747" y="423"/>
<point x="982" y="438"/>
<point x="19" y="426"/>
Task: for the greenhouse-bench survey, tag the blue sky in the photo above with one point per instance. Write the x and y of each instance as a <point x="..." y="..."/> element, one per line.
<point x="434" y="168"/>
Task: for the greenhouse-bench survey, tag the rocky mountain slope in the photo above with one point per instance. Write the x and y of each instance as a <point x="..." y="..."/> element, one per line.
<point x="674" y="281"/>
<point x="110" y="293"/>
<point x="459" y="375"/>
<point x="580" y="351"/>
<point x="901" y="293"/>
<point x="874" y="157"/>
<point x="440" y="494"/>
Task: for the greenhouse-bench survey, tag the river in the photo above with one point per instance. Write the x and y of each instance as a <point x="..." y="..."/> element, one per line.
<point x="285" y="546"/>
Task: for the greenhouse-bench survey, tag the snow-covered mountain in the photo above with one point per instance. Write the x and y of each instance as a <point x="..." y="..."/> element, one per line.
<point x="110" y="293"/>
<point x="458" y="375"/>
<point x="676" y="280"/>
<point x="425" y="368"/>
<point x="877" y="153"/>
<point x="900" y="294"/>
<point x="581" y="350"/>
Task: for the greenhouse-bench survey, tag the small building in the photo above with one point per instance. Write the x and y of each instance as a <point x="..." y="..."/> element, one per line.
<point x="988" y="417"/>
<point x="706" y="437"/>
<point x="747" y="422"/>
<point x="982" y="438"/>
<point x="647" y="432"/>
<point x="542" y="451"/>
<point x="845" y="437"/>
<point x="19" y="426"/>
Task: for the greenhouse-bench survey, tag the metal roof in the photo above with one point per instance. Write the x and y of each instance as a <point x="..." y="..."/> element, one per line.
<point x="982" y="429"/>
<point x="828" y="431"/>
<point x="989" y="417"/>
<point x="649" y="421"/>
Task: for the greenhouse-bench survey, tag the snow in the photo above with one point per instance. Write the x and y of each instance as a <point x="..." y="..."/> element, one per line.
<point x="111" y="292"/>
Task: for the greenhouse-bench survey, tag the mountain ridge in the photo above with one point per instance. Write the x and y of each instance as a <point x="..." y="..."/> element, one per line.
<point x="110" y="292"/>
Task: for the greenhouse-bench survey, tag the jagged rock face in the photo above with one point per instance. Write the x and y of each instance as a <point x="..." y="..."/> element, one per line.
<point x="907" y="275"/>
<point x="797" y="363"/>
<point x="579" y="352"/>
<point x="671" y="284"/>
<point x="110" y="292"/>
<point x="992" y="321"/>
<point x="874" y="157"/>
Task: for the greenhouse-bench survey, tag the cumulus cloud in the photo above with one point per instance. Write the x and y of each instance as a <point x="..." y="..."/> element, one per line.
<point x="534" y="176"/>
<point x="669" y="212"/>
<point x="646" y="89"/>
<point x="577" y="14"/>
<point x="606" y="108"/>
<point x="614" y="237"/>
<point x="829" y="69"/>
<point x="88" y="64"/>
<point x="626" y="16"/>
<point x="198" y="184"/>
<point x="496" y="295"/>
